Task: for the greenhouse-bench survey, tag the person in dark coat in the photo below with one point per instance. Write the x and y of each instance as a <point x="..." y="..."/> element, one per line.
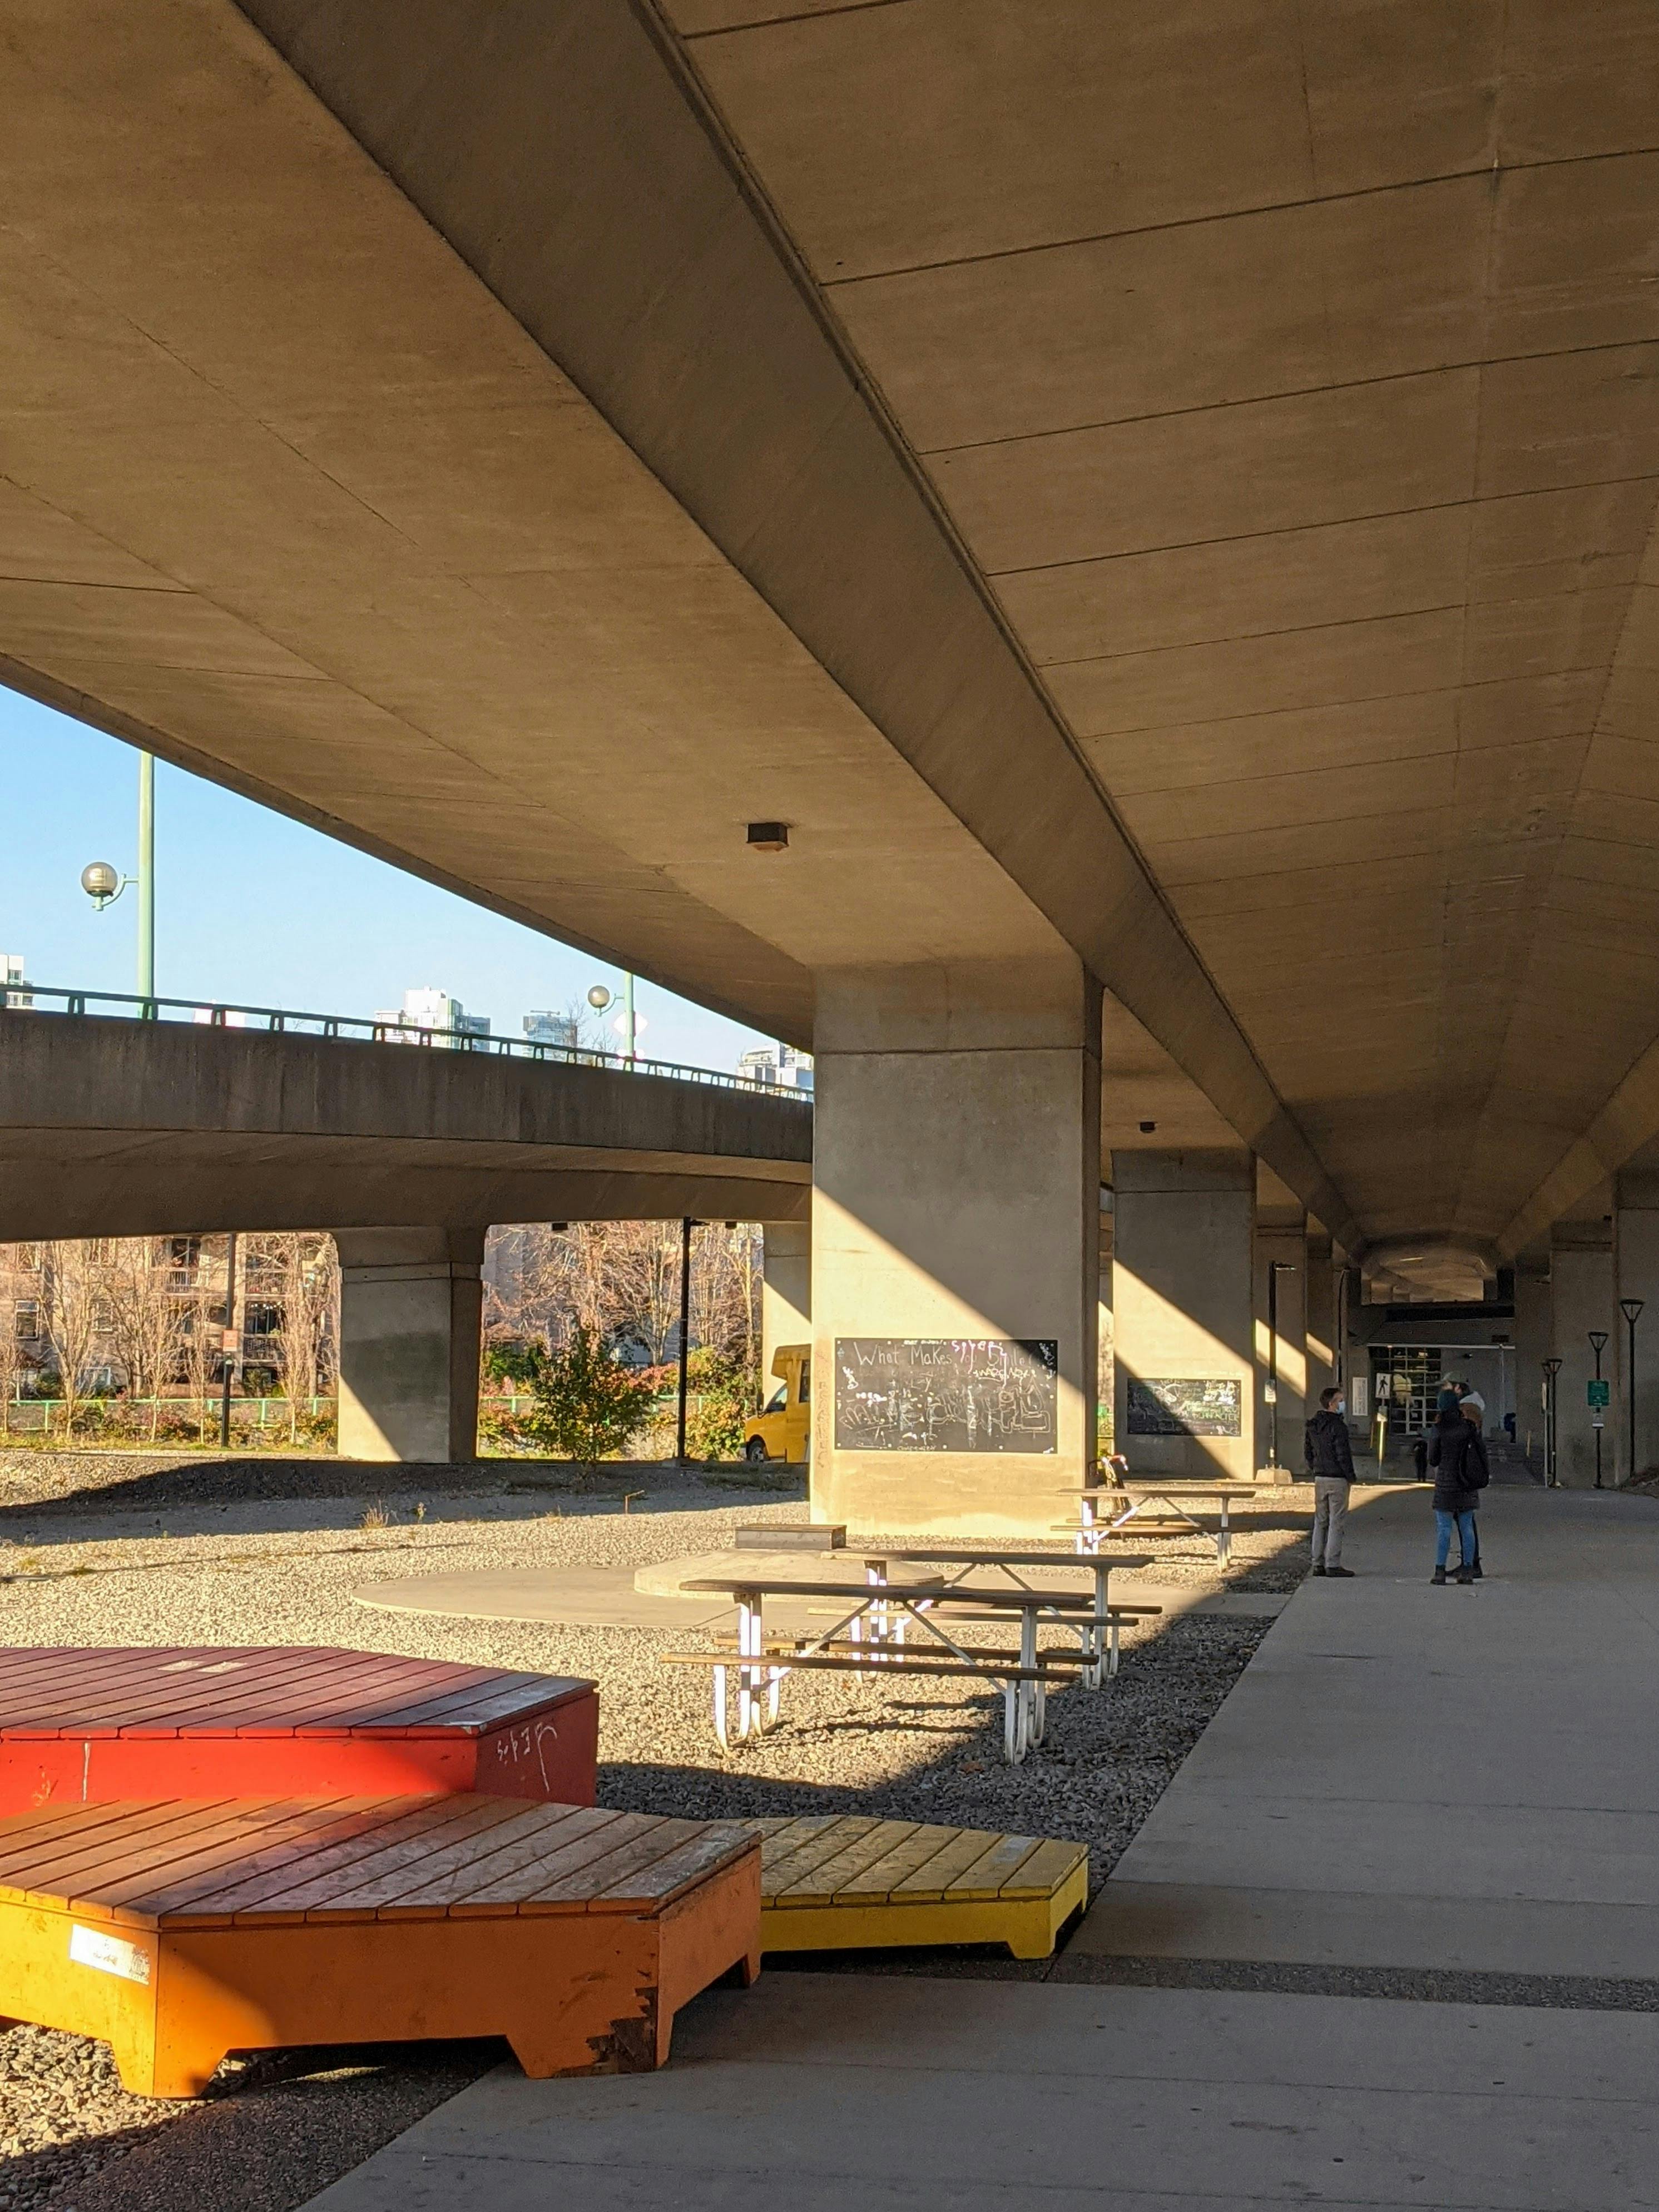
<point x="1328" y="1452"/>
<point x="1457" y="1453"/>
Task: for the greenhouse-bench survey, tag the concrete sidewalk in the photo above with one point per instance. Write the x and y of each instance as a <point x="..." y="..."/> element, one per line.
<point x="1410" y="1777"/>
<point x="1403" y="1777"/>
<point x="816" y="2094"/>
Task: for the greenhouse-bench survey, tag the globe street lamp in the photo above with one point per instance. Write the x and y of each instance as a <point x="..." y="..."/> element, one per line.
<point x="602" y="999"/>
<point x="1551" y="1369"/>
<point x="1632" y="1309"/>
<point x="103" y="886"/>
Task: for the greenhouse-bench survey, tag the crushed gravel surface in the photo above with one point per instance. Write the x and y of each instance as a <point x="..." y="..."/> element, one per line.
<point x="152" y="1551"/>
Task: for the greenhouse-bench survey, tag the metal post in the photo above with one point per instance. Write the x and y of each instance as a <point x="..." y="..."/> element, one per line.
<point x="1598" y="1339"/>
<point x="146" y="885"/>
<point x="629" y="1030"/>
<point x="1551" y="1369"/>
<point x="1632" y="1309"/>
<point x="229" y="1342"/>
<point x="685" y="1319"/>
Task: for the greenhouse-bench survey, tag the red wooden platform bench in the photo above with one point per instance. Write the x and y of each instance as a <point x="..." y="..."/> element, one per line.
<point x="93" y="1725"/>
<point x="180" y="1930"/>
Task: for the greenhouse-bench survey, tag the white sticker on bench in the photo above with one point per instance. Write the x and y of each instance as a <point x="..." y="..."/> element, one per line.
<point x="108" y="1954"/>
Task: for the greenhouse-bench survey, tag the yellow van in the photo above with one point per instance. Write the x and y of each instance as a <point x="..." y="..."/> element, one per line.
<point x="781" y="1431"/>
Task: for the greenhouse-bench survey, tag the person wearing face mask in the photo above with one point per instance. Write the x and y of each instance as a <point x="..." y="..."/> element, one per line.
<point x="1329" y="1455"/>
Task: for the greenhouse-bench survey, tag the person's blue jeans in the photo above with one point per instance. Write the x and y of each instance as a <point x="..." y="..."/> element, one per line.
<point x="1443" y="1524"/>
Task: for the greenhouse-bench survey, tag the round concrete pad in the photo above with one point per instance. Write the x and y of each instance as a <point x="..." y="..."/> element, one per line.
<point x="569" y="1597"/>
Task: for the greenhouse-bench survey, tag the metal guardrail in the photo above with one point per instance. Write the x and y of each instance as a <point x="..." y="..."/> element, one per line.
<point x="21" y="996"/>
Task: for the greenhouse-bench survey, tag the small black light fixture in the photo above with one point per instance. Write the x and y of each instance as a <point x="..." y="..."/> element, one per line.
<point x="768" y="837"/>
<point x="1147" y="1128"/>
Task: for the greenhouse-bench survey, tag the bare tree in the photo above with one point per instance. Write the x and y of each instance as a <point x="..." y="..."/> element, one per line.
<point x="144" y="1316"/>
<point x="76" y="1304"/>
<point x="306" y="1278"/>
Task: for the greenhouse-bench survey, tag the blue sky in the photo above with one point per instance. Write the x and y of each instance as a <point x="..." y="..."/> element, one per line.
<point x="258" y="911"/>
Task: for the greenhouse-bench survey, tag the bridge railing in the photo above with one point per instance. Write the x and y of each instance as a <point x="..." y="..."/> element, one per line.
<point x="21" y="996"/>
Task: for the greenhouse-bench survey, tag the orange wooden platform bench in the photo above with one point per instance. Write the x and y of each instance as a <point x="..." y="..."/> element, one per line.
<point x="178" y="1930"/>
<point x="91" y="1725"/>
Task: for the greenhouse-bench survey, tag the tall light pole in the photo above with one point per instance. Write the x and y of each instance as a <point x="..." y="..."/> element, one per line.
<point x="103" y="885"/>
<point x="1632" y="1309"/>
<point x="686" y="1227"/>
<point x="1551" y="1369"/>
<point x="1598" y="1343"/>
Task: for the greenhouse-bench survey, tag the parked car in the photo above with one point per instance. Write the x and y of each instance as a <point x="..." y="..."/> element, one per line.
<point x="782" y="1429"/>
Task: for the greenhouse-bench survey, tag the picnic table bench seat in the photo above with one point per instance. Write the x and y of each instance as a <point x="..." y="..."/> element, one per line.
<point x="92" y="1724"/>
<point x="178" y="1930"/>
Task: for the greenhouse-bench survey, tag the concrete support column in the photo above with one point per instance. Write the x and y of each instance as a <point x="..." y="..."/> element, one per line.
<point x="1584" y="1297"/>
<point x="1321" y="1314"/>
<point x="1284" y="1244"/>
<point x="1534" y="1332"/>
<point x="1635" y="1252"/>
<point x="410" y="1310"/>
<point x="786" y="1290"/>
<point x="956" y="1244"/>
<point x="1182" y="1225"/>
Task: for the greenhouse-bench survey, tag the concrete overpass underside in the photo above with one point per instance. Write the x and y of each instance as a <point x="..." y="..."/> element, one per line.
<point x="119" y="1128"/>
<point x="1161" y="502"/>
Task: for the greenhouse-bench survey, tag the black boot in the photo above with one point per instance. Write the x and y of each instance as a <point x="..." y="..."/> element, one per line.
<point x="1438" y="1576"/>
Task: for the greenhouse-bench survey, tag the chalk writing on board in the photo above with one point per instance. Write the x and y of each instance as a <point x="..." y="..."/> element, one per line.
<point x="1184" y="1406"/>
<point x="993" y="1394"/>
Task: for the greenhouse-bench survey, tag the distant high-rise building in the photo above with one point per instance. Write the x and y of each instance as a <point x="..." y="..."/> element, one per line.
<point x="434" y="1013"/>
<point x="561" y="1029"/>
<point x="11" y="971"/>
<point x="779" y="1064"/>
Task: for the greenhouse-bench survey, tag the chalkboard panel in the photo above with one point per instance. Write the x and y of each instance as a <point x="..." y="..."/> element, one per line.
<point x="945" y="1394"/>
<point x="1185" y="1406"/>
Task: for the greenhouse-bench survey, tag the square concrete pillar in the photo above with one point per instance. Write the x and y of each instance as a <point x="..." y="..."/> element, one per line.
<point x="1584" y="1297"/>
<point x="955" y="1245"/>
<point x="1281" y="1367"/>
<point x="1635" y="1253"/>
<point x="786" y="1290"/>
<point x="411" y="1314"/>
<point x="1534" y="1334"/>
<point x="1182" y="1314"/>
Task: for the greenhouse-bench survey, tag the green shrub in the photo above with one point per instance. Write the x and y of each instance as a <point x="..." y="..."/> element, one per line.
<point x="586" y="1404"/>
<point x="726" y="1393"/>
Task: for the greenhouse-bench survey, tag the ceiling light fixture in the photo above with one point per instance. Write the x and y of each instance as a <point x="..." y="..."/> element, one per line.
<point x="768" y="837"/>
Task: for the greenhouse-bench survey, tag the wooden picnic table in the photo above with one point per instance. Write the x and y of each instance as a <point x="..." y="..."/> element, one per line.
<point x="1015" y="1564"/>
<point x="1022" y="1677"/>
<point x="1098" y="1518"/>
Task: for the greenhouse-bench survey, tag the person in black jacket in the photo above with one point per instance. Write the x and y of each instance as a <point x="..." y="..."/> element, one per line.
<point x="1329" y="1455"/>
<point x="1457" y="1453"/>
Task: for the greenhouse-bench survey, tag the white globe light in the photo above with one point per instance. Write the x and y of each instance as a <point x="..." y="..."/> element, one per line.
<point x="99" y="880"/>
<point x="598" y="998"/>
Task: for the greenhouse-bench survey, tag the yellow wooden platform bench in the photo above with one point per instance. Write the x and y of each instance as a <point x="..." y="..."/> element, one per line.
<point x="177" y="1930"/>
<point x="830" y="1882"/>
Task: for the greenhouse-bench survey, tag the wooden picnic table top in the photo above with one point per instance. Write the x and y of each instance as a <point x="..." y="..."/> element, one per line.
<point x="1178" y="1484"/>
<point x="239" y="1863"/>
<point x="864" y="1594"/>
<point x="1053" y="1557"/>
<point x="261" y="1690"/>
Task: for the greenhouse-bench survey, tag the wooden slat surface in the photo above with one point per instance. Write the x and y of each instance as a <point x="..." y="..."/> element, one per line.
<point x="260" y="1690"/>
<point x="266" y="1860"/>
<point x="818" y="1860"/>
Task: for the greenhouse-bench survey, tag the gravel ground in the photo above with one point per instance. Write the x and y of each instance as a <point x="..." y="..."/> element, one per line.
<point x="271" y="1552"/>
